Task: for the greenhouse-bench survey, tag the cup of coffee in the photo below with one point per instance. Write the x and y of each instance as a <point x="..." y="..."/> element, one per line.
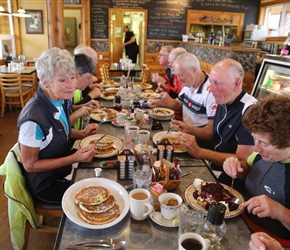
<point x="121" y="118"/>
<point x="140" y="206"/>
<point x="169" y="204"/>
<point x="132" y="131"/>
<point x="192" y="241"/>
<point x="143" y="136"/>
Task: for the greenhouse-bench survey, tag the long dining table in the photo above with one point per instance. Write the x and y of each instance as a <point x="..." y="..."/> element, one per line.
<point x="146" y="234"/>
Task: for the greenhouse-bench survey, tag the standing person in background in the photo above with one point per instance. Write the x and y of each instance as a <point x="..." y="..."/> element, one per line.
<point x="130" y="44"/>
<point x="45" y="130"/>
<point x="93" y="91"/>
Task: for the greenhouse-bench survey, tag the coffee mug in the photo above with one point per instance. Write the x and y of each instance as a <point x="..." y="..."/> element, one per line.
<point x="140" y="206"/>
<point x="121" y="118"/>
<point x="132" y="131"/>
<point x="169" y="205"/>
<point x="143" y="136"/>
<point x="189" y="241"/>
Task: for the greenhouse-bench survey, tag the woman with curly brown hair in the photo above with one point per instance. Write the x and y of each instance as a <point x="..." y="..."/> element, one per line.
<point x="267" y="170"/>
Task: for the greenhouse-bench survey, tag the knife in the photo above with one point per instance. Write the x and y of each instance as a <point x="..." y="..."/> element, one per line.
<point x="101" y="138"/>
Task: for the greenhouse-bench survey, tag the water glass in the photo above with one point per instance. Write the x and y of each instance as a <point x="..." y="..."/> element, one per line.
<point x="146" y="124"/>
<point x="142" y="179"/>
<point x="189" y="220"/>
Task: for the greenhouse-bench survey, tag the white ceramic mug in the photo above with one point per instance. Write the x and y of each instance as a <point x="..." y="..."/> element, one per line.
<point x="192" y="240"/>
<point x="169" y="212"/>
<point x="132" y="131"/>
<point x="140" y="206"/>
<point x="121" y="117"/>
<point x="143" y="136"/>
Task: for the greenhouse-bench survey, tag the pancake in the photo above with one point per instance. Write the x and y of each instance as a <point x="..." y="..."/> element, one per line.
<point x="100" y="218"/>
<point x="103" y="146"/>
<point x="92" y="195"/>
<point x="101" y="208"/>
<point x="175" y="141"/>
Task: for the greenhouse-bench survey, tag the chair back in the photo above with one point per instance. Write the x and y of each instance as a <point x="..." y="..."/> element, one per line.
<point x="23" y="211"/>
<point x="13" y="91"/>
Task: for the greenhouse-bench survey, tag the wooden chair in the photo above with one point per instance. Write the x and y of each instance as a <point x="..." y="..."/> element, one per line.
<point x="13" y="91"/>
<point x="37" y="211"/>
<point x="30" y="80"/>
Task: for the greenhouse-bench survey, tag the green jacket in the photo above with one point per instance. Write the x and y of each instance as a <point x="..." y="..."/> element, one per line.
<point x="20" y="203"/>
<point x="79" y="123"/>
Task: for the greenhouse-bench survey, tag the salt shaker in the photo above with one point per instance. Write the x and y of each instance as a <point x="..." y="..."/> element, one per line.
<point x="214" y="227"/>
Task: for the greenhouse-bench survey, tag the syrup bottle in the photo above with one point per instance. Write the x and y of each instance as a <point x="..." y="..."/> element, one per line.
<point x="117" y="103"/>
<point x="214" y="227"/>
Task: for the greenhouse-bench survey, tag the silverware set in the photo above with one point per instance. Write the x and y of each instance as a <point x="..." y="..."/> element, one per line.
<point x="98" y="245"/>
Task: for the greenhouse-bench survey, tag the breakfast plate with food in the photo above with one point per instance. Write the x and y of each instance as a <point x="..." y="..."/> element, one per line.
<point x="95" y="203"/>
<point x="109" y="94"/>
<point x="161" y="114"/>
<point x="110" y="84"/>
<point x="201" y="194"/>
<point x="104" y="114"/>
<point x="108" y="146"/>
<point x="148" y="96"/>
<point x="173" y="138"/>
<point x="144" y="85"/>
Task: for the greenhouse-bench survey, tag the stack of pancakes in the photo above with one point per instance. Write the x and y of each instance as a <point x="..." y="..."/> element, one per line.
<point x="96" y="205"/>
<point x="104" y="146"/>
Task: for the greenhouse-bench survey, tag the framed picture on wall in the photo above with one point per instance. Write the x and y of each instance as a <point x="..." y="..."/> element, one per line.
<point x="70" y="34"/>
<point x="34" y="24"/>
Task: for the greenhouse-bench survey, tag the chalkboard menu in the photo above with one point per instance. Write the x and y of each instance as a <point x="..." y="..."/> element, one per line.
<point x="167" y="19"/>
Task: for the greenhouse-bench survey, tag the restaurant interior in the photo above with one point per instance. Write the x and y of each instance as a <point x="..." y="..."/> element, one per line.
<point x="27" y="28"/>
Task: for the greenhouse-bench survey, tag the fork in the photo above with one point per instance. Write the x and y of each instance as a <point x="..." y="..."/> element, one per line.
<point x="104" y="119"/>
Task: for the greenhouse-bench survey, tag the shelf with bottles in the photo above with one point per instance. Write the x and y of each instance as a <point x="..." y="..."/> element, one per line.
<point x="202" y="21"/>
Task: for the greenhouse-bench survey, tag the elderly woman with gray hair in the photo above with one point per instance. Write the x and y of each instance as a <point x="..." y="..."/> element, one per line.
<point x="45" y="130"/>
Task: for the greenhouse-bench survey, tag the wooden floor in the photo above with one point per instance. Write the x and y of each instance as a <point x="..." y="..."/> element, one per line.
<point x="8" y="137"/>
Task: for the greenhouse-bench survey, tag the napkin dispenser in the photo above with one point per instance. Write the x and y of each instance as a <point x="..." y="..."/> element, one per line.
<point x="127" y="164"/>
<point x="165" y="150"/>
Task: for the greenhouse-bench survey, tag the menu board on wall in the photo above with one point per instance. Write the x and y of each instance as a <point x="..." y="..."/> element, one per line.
<point x="167" y="19"/>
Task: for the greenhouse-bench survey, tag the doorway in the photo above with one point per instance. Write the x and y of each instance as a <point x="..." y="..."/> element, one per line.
<point x="136" y="19"/>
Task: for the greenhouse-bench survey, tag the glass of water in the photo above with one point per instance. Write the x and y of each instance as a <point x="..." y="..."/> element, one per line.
<point x="142" y="179"/>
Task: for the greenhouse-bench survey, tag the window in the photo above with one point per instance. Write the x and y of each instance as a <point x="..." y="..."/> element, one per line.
<point x="277" y="19"/>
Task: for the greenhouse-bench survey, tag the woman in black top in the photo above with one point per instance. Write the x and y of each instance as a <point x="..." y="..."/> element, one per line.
<point x="131" y="47"/>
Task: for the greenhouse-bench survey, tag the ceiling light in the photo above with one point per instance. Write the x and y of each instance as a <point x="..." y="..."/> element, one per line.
<point x="3" y="12"/>
<point x="21" y="13"/>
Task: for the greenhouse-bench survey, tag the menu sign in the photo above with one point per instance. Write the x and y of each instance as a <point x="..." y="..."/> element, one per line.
<point x="166" y="19"/>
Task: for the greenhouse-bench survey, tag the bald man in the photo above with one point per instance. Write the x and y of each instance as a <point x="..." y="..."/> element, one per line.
<point x="230" y="136"/>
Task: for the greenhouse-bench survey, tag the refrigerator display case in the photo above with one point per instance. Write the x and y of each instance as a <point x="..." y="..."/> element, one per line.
<point x="273" y="77"/>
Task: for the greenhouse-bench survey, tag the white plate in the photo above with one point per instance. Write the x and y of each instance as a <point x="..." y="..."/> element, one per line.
<point x="167" y="116"/>
<point x="158" y="219"/>
<point x="111" y="85"/>
<point x="116" y="124"/>
<point x="100" y="113"/>
<point x="70" y="208"/>
<point x="189" y="199"/>
<point x="158" y="136"/>
<point x="117" y="142"/>
<point x="111" y="97"/>
<point x="144" y="85"/>
<point x="148" y="96"/>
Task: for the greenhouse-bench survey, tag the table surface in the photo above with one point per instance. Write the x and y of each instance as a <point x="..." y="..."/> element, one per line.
<point x="114" y="68"/>
<point x="146" y="234"/>
<point x="26" y="71"/>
